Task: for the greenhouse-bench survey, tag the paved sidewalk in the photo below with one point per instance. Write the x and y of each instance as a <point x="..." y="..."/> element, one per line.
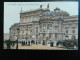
<point x="40" y="47"/>
<point x="37" y="47"/>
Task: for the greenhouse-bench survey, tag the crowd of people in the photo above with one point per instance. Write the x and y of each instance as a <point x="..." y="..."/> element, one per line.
<point x="67" y="44"/>
<point x="10" y="44"/>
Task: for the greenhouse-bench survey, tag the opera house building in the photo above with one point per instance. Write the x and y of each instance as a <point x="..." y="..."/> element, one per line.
<point x="45" y="26"/>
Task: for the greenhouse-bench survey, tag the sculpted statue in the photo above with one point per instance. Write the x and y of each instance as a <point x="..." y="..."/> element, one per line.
<point x="41" y="6"/>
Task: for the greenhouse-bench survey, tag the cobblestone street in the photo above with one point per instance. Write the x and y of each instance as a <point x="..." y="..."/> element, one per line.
<point x="41" y="47"/>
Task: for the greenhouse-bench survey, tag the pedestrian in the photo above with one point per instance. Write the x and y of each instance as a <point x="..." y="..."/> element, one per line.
<point x="22" y="42"/>
<point x="8" y="44"/>
<point x="25" y="42"/>
<point x="13" y="44"/>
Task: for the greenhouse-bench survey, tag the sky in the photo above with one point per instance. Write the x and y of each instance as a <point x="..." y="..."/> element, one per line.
<point x="12" y="10"/>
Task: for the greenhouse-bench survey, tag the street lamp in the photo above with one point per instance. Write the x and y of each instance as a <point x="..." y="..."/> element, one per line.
<point x="27" y="35"/>
<point x="17" y="37"/>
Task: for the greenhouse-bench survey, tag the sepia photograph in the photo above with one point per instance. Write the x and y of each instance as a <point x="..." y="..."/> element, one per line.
<point x="41" y="25"/>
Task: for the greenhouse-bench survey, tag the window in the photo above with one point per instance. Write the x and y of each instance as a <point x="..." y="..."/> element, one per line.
<point x="31" y="18"/>
<point x="48" y="17"/>
<point x="14" y="33"/>
<point x="56" y="29"/>
<point x="73" y="31"/>
<point x="40" y="26"/>
<point x="55" y="35"/>
<point x="73" y="37"/>
<point x="66" y="37"/>
<point x="49" y="27"/>
<point x="23" y="37"/>
<point x="27" y="29"/>
<point x="50" y="36"/>
<point x="31" y="30"/>
<point x="56" y="26"/>
<point x="36" y="29"/>
<point x="44" y="28"/>
<point x="66" y="31"/>
<point x="43" y="35"/>
<point x="22" y="32"/>
<point x="23" y="28"/>
<point x="66" y="26"/>
<point x="73" y="24"/>
<point x="30" y="36"/>
<point x="56" y="23"/>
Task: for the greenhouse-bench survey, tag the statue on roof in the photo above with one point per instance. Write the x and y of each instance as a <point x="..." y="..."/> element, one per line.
<point x="21" y="9"/>
<point x="48" y="6"/>
<point x="41" y="6"/>
<point x="56" y="9"/>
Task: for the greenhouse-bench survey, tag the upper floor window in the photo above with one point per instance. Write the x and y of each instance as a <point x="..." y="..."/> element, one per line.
<point x="56" y="23"/>
<point x="49" y="27"/>
<point x="14" y="33"/>
<point x="73" y="31"/>
<point x="66" y="27"/>
<point x="56" y="26"/>
<point x="31" y="18"/>
<point x="22" y="36"/>
<point x="66" y="31"/>
<point x="36" y="29"/>
<point x="44" y="27"/>
<point x="56" y="29"/>
<point x="30" y="30"/>
<point x="73" y="24"/>
<point x="23" y="32"/>
<point x="55" y="35"/>
<point x="40" y="25"/>
<point x="23" y="28"/>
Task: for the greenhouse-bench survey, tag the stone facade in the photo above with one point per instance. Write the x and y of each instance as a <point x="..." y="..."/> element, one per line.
<point x="43" y="25"/>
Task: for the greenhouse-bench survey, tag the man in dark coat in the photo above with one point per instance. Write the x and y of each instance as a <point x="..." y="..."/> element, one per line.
<point x="22" y="42"/>
<point x="8" y="44"/>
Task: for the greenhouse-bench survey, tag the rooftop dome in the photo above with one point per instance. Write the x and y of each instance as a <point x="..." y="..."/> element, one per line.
<point x="56" y="9"/>
<point x="58" y="12"/>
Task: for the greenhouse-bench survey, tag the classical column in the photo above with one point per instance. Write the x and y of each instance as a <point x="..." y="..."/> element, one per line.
<point x="35" y="41"/>
<point x="30" y="42"/>
<point x="27" y="40"/>
<point x="17" y="36"/>
<point x="55" y="42"/>
<point x="27" y="35"/>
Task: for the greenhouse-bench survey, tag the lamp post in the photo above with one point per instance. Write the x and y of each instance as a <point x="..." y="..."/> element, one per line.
<point x="27" y="36"/>
<point x="17" y="37"/>
<point x="26" y="39"/>
<point x="55" y="42"/>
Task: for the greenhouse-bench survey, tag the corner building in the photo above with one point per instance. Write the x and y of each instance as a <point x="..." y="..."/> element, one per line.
<point x="43" y="26"/>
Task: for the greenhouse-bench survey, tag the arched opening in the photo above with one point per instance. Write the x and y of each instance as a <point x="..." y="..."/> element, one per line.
<point x="73" y="37"/>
